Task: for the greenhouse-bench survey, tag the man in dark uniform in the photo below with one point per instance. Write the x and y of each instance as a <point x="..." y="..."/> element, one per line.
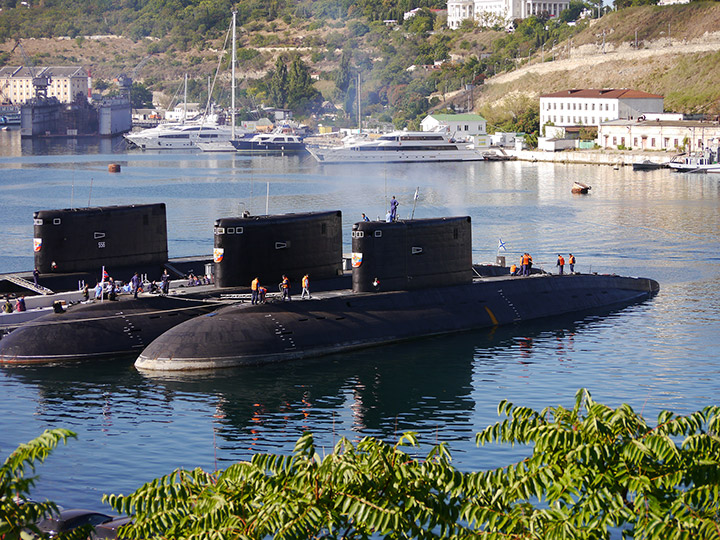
<point x="135" y="283"/>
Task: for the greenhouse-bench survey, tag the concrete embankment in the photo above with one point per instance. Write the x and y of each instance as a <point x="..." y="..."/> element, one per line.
<point x="593" y="157"/>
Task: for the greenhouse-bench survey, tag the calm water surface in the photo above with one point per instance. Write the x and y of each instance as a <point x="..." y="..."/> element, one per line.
<point x="133" y="427"/>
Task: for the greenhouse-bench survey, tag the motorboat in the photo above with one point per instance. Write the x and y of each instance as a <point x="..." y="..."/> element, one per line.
<point x="648" y="165"/>
<point x="179" y="136"/>
<point x="701" y="162"/>
<point x="276" y="141"/>
<point x="399" y="147"/>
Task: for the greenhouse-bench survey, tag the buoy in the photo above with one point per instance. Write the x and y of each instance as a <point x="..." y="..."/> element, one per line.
<point x="114" y="167"/>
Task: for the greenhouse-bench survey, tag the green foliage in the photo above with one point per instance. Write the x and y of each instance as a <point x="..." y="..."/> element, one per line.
<point x="140" y="96"/>
<point x="17" y="511"/>
<point x="279" y="84"/>
<point x="590" y="469"/>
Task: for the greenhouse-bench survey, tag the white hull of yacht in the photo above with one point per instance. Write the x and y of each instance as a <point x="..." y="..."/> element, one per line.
<point x="178" y="137"/>
<point x="399" y="155"/>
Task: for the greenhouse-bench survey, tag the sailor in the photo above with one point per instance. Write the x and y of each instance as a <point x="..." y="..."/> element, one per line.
<point x="165" y="282"/>
<point x="135" y="282"/>
<point x="285" y="286"/>
<point x="7" y="306"/>
<point x="524" y="264"/>
<point x="262" y="291"/>
<point x="560" y="264"/>
<point x="254" y="287"/>
<point x="365" y="218"/>
<point x="571" y="262"/>
<point x="529" y="264"/>
<point x="85" y="293"/>
<point x="306" y="286"/>
<point x="20" y="304"/>
<point x="513" y="270"/>
<point x="36" y="275"/>
<point x="393" y="208"/>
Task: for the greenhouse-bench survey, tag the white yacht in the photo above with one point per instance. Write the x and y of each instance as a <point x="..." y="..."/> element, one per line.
<point x="178" y="136"/>
<point x="399" y="147"/>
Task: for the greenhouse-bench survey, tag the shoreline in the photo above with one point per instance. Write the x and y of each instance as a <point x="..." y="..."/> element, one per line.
<point x="615" y="158"/>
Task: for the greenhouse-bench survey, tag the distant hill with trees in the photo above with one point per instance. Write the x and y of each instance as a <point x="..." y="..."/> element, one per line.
<point x="301" y="54"/>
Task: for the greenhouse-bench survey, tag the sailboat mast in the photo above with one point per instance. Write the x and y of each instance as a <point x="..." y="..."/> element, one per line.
<point x="232" y="102"/>
<point x="358" y="100"/>
<point x="185" y="101"/>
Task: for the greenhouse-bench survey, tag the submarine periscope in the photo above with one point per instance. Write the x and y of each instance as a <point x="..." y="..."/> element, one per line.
<point x="409" y="280"/>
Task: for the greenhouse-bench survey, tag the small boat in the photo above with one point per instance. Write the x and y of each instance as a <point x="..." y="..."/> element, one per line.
<point x="579" y="187"/>
<point x="648" y="165"/>
<point x="497" y="154"/>
<point x="701" y="162"/>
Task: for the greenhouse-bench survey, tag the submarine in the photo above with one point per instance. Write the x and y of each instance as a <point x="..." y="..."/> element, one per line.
<point x="81" y="242"/>
<point x="409" y="279"/>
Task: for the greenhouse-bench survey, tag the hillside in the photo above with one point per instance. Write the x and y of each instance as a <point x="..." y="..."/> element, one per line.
<point x="540" y="57"/>
<point x="681" y="67"/>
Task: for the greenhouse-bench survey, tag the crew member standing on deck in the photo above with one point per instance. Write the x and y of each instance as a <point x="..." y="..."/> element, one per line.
<point x="165" y="282"/>
<point x="36" y="275"/>
<point x="285" y="286"/>
<point x="305" y="287"/>
<point x="135" y="283"/>
<point x="571" y="262"/>
<point x="365" y="218"/>
<point x="393" y="208"/>
<point x="254" y="288"/>
<point x="560" y="264"/>
<point x="524" y="264"/>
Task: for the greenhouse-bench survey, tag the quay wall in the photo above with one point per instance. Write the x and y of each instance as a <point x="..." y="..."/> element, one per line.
<point x="592" y="157"/>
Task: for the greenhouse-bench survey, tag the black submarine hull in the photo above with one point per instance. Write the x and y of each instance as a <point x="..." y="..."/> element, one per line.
<point x="251" y="335"/>
<point x="99" y="330"/>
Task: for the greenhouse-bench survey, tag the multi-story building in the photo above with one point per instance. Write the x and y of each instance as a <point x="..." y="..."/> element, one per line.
<point x="573" y="108"/>
<point x="66" y="82"/>
<point x="490" y="12"/>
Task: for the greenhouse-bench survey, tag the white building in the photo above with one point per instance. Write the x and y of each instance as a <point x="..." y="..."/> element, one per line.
<point x="660" y="134"/>
<point x="16" y="83"/>
<point x="490" y="12"/>
<point x="470" y="126"/>
<point x="593" y="107"/>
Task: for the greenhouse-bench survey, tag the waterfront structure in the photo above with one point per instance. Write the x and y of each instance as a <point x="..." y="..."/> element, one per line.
<point x="648" y="133"/>
<point x="491" y="12"/>
<point x="66" y="82"/>
<point x="589" y="107"/>
<point x="470" y="126"/>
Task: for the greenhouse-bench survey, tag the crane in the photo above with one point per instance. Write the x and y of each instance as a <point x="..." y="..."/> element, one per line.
<point x="125" y="82"/>
<point x="41" y="80"/>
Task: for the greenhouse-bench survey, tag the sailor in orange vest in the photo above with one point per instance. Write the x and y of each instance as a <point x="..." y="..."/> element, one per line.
<point x="560" y="264"/>
<point x="254" y="287"/>
<point x="513" y="270"/>
<point x="526" y="264"/>
<point x="285" y="286"/>
<point x="305" y="286"/>
<point x="571" y="262"/>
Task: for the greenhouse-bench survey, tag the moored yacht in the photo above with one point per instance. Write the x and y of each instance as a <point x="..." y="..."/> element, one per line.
<point x="277" y="141"/>
<point x="399" y="147"/>
<point x="706" y="161"/>
<point x="179" y="136"/>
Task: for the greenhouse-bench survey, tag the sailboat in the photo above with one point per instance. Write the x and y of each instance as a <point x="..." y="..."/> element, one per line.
<point x="226" y="145"/>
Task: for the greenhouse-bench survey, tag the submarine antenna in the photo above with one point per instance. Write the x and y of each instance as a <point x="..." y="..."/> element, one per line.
<point x="267" y="200"/>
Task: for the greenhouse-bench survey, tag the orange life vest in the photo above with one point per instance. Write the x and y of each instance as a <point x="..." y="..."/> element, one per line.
<point x="286" y="283"/>
<point x="561" y="261"/>
<point x="572" y="259"/>
<point x="254" y="284"/>
<point x="305" y="282"/>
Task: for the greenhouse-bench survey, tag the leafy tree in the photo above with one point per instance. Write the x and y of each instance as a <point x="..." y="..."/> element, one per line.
<point x="17" y="510"/>
<point x="301" y="92"/>
<point x="590" y="469"/>
<point x="140" y="96"/>
<point x="344" y="75"/>
<point x="279" y="84"/>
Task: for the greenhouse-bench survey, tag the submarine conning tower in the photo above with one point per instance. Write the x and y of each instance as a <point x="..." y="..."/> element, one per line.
<point x="412" y="254"/>
<point x="83" y="239"/>
<point x="269" y="246"/>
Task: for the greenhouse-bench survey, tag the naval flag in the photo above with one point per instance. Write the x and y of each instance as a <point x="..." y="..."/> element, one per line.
<point x="501" y="245"/>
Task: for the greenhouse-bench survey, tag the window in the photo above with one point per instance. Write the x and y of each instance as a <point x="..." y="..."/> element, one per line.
<point x="676" y="143"/>
<point x="635" y="141"/>
<point x="652" y="142"/>
<point x="614" y="141"/>
<point x="622" y="141"/>
<point x="666" y="142"/>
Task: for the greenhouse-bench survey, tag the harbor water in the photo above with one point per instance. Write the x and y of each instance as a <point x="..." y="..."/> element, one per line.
<point x="133" y="427"/>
